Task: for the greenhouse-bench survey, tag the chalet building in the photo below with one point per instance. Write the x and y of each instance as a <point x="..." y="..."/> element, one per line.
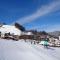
<point x="54" y="41"/>
<point x="9" y="30"/>
<point x="26" y="35"/>
<point x="30" y="35"/>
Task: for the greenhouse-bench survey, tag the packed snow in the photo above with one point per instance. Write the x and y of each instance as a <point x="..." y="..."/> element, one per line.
<point x="21" y="50"/>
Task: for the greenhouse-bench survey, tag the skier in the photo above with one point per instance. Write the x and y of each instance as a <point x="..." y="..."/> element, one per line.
<point x="46" y="43"/>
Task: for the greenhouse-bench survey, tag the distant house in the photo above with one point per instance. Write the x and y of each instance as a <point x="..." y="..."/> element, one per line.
<point x="9" y="29"/>
<point x="26" y="35"/>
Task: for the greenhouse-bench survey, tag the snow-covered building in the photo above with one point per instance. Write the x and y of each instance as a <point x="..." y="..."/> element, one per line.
<point x="27" y="33"/>
<point x="10" y="29"/>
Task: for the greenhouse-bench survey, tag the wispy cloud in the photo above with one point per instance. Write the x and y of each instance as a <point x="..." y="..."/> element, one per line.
<point x="44" y="10"/>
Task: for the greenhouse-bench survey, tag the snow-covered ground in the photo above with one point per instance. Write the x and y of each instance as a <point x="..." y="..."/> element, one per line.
<point x="20" y="50"/>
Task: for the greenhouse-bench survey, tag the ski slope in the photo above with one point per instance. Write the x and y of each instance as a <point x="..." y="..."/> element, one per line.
<point x="20" y="50"/>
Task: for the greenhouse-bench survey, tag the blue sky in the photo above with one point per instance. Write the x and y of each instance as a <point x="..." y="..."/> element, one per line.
<point x="32" y="14"/>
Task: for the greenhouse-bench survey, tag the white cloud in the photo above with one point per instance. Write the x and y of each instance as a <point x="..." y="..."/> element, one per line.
<point x="44" y="10"/>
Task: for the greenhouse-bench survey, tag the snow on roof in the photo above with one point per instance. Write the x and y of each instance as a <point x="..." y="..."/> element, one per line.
<point x="27" y="33"/>
<point x="11" y="29"/>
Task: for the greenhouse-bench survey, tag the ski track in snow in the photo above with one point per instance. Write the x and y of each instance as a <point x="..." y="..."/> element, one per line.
<point x="20" y="50"/>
